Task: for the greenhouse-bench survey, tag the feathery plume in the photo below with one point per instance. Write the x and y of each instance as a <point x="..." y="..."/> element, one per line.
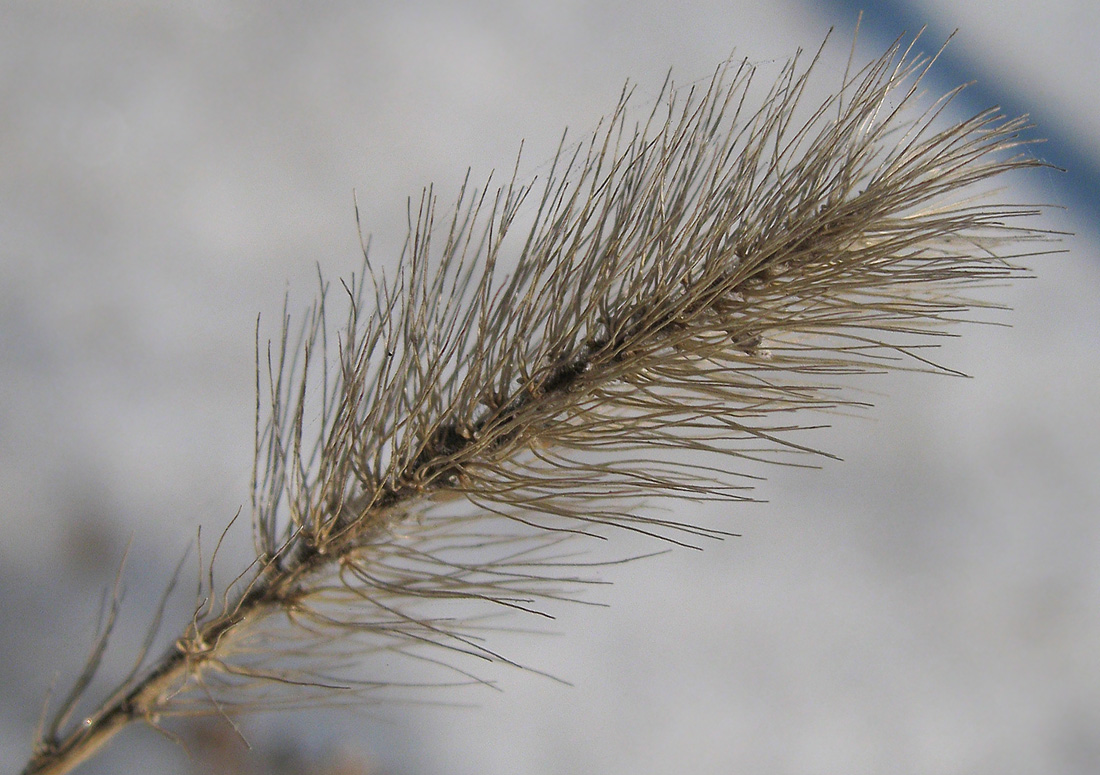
<point x="550" y="359"/>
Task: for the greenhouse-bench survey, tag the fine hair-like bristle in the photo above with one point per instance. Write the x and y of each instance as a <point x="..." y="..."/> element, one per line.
<point x="548" y="360"/>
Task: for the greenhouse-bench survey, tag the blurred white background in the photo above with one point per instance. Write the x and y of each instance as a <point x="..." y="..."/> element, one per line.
<point x="170" y="170"/>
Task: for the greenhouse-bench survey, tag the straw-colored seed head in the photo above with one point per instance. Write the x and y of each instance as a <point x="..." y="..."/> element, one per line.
<point x="690" y="281"/>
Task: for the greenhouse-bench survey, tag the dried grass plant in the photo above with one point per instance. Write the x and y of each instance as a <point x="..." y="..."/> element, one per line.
<point x="551" y="360"/>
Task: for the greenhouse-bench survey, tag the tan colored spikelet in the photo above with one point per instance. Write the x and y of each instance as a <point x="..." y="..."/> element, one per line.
<point x="549" y="361"/>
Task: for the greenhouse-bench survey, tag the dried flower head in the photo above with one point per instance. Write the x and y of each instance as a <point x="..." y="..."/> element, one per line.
<point x="547" y="358"/>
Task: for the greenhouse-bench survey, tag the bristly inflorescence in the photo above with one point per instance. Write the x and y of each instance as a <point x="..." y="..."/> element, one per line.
<point x="546" y="358"/>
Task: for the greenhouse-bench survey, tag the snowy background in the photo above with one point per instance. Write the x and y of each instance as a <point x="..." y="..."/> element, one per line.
<point x="170" y="170"/>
